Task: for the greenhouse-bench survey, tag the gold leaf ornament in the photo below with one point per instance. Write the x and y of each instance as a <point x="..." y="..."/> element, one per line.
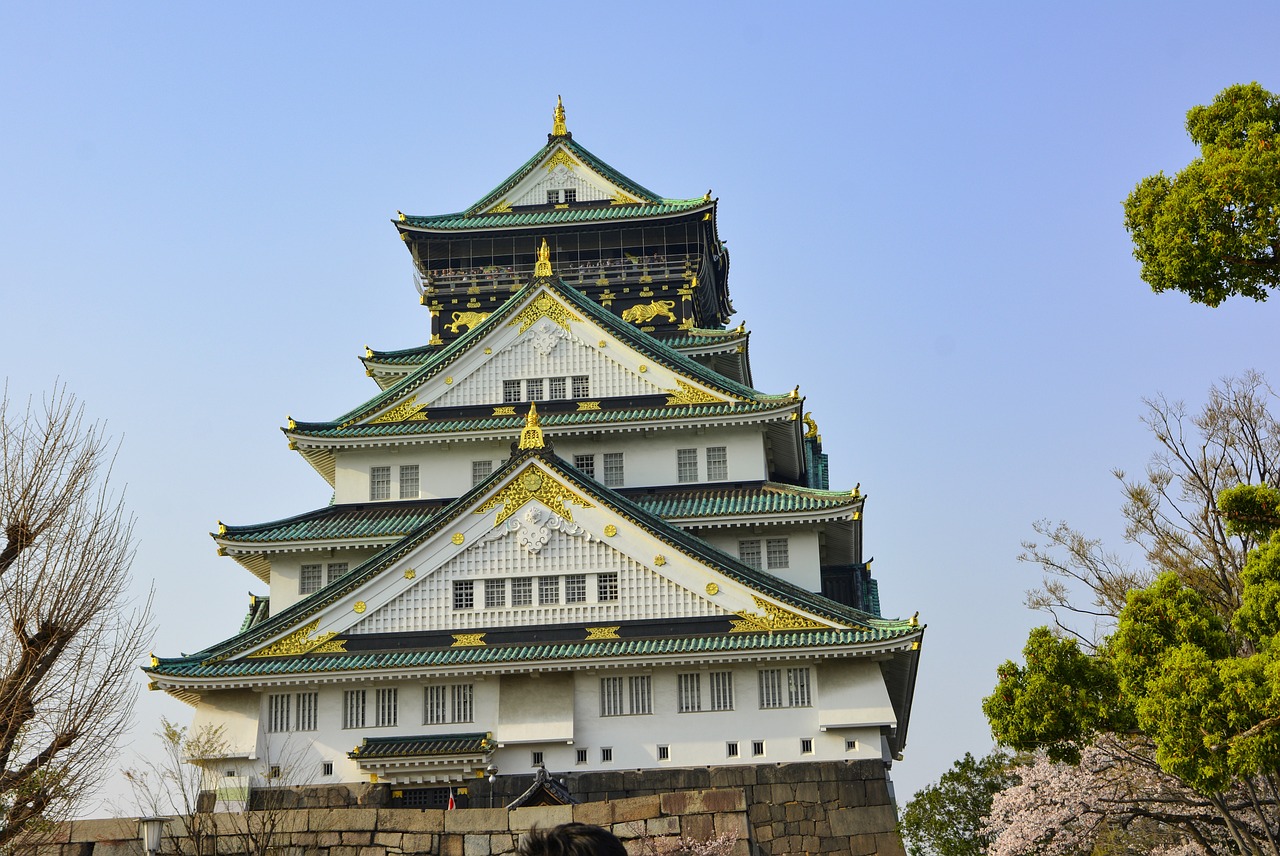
<point x="532" y="484"/>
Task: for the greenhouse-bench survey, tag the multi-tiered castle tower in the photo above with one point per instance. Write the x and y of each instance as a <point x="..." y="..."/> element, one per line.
<point x="568" y="532"/>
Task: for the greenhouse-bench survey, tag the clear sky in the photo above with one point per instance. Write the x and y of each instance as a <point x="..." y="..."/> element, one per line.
<point x="922" y="202"/>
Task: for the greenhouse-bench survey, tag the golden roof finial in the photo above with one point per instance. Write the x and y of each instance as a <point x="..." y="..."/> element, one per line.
<point x="558" y="128"/>
<point x="543" y="265"/>
<point x="531" y="436"/>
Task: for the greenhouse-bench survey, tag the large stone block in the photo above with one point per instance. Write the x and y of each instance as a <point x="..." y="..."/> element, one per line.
<point x="862" y="845"/>
<point x="867" y="820"/>
<point x="852" y="794"/>
<point x="112" y="829"/>
<point x="389" y="839"/>
<point x="475" y="845"/>
<point x="732" y="822"/>
<point x="599" y="813"/>
<point x="471" y="820"/>
<point x="807" y="792"/>
<point x="451" y="845"/>
<point x="732" y="777"/>
<point x="699" y="827"/>
<point x="544" y="815"/>
<point x="358" y="839"/>
<point x="877" y="792"/>
<point x="636" y="808"/>
<point x="343" y="819"/>
<point x="667" y="825"/>
<point x="418" y="842"/>
<point x="889" y="844"/>
<point x="696" y="802"/>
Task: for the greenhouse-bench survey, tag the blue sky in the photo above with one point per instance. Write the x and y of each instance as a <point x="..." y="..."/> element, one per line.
<point x="922" y="202"/>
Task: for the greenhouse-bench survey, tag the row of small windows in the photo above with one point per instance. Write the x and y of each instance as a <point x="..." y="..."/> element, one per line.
<point x="312" y="577"/>
<point x="380" y="482"/>
<point x="662" y="751"/>
<point x="520" y="591"/>
<point x="687" y="460"/>
<point x="555" y="197"/>
<point x="611" y="471"/>
<point x="775" y="555"/>
<point x="631" y="695"/>
<point x="545" y="389"/>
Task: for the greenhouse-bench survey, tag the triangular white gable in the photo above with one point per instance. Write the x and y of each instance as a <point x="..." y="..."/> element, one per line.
<point x="562" y="170"/>
<point x="546" y="338"/>
<point x="428" y="605"/>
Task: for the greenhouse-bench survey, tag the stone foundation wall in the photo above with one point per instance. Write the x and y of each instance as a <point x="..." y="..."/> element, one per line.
<point x="804" y="808"/>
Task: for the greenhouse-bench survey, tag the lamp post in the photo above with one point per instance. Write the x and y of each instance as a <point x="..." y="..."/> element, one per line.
<point x="493" y="777"/>
<point x="151" y="830"/>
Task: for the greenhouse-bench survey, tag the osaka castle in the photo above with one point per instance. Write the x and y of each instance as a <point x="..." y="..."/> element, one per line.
<point x="567" y="532"/>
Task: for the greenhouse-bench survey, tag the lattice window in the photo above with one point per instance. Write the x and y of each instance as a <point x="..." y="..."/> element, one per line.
<point x="556" y="388"/>
<point x="462" y="702"/>
<point x="798" y="684"/>
<point x="721" y="690"/>
<point x="581" y="386"/>
<point x="480" y="470"/>
<point x="607" y="586"/>
<point x="353" y="709"/>
<point x="749" y="552"/>
<point x="522" y="591"/>
<point x="409" y="481"/>
<point x="731" y="749"/>
<point x="571" y="194"/>
<point x="336" y="570"/>
<point x="326" y="769"/>
<point x="757" y="748"/>
<point x="464" y="594"/>
<point x="307" y="708"/>
<point x="447" y="703"/>
<point x="387" y="702"/>
<point x="613" y="475"/>
<point x="806" y="745"/>
<point x="553" y="197"/>
<point x="435" y="710"/>
<point x="664" y="752"/>
<point x="548" y="590"/>
<point x="278" y="712"/>
<point x="510" y="391"/>
<point x="611" y="697"/>
<point x="495" y="593"/>
<point x="689" y="693"/>
<point x="777" y="554"/>
<point x="771" y="694"/>
<point x="581" y="756"/>
<point x="717" y="463"/>
<point x="310" y="578"/>
<point x="641" y="694"/>
<point x="687" y="465"/>
<point x="533" y="389"/>
<point x="585" y="464"/>
<point x="379" y="483"/>
<point x="535" y="756"/>
<point x="575" y="588"/>
<point x="606" y="754"/>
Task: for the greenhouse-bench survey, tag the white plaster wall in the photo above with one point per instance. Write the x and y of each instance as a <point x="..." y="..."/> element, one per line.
<point x="286" y="568"/>
<point x="804" y="559"/>
<point x="236" y="713"/>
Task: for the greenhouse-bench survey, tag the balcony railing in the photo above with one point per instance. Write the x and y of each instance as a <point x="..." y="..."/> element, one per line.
<point x="630" y="269"/>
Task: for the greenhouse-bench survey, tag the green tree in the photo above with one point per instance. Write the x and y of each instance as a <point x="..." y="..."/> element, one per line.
<point x="947" y="818"/>
<point x="1213" y="230"/>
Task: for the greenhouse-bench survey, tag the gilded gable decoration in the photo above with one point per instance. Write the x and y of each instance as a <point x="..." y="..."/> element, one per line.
<point x="533" y="483"/>
<point x="301" y="642"/>
<point x="774" y="618"/>
<point x="560" y="157"/>
<point x="544" y="306"/>
<point x="406" y="411"/>
<point x="687" y="394"/>
<point x="533" y="529"/>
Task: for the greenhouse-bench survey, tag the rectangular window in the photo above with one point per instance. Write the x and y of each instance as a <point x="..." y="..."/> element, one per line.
<point x="585" y="464"/>
<point x="771" y="689"/>
<point x="548" y="590"/>
<point x="353" y="709"/>
<point x="607" y="586"/>
<point x="611" y="697"/>
<point x="606" y="754"/>
<point x="434" y="705"/>
<point x="575" y="588"/>
<point x="522" y="591"/>
<point x="480" y="471"/>
<point x="326" y="769"/>
<point x="336" y="570"/>
<point x="409" y="481"/>
<point x="613" y="469"/>
<point x="721" y="690"/>
<point x="533" y="389"/>
<point x="776" y="553"/>
<point x="495" y="593"/>
<point x="757" y="748"/>
<point x="581" y="386"/>
<point x="379" y="483"/>
<point x="308" y="705"/>
<point x="464" y="594"/>
<point x="553" y="196"/>
<point x="571" y="194"/>
<point x="309" y="579"/>
<point x="731" y="749"/>
<point x="664" y="752"/>
<point x="556" y="388"/>
<point x="462" y="702"/>
<point x="749" y="552"/>
<point x="687" y="465"/>
<point x="689" y="695"/>
<point x="510" y="391"/>
<point x="806" y="745"/>
<point x="641" y="694"/>
<point x="387" y="699"/>
<point x="582" y="756"/>
<point x="851" y="745"/>
<point x="278" y="712"/>
<point x="798" y="694"/>
<point x="273" y="772"/>
<point x="536" y="757"/>
<point x="717" y="463"/>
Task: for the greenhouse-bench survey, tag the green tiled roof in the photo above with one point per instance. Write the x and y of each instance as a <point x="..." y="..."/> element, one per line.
<point x="624" y="331"/>
<point x="402" y="357"/>
<point x="337" y="521"/>
<point x="425" y="745"/>
<point x="553" y="216"/>
<point x="885" y="631"/>
<point x="698" y="337"/>
<point x="547" y="420"/>
<point x="580" y="152"/>
<point x="382" y="519"/>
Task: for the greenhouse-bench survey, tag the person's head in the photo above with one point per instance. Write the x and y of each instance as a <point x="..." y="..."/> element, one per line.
<point x="570" y="839"/>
